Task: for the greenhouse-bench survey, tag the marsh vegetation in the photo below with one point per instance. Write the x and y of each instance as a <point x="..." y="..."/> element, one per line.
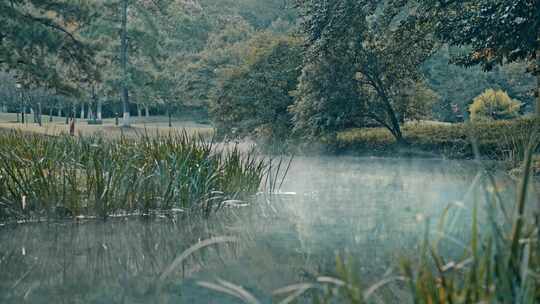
<point x="44" y="177"/>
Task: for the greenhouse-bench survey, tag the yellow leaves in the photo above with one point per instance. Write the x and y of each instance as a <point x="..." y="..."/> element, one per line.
<point x="69" y="26"/>
<point x="51" y="14"/>
<point x="494" y="105"/>
<point x="485" y="54"/>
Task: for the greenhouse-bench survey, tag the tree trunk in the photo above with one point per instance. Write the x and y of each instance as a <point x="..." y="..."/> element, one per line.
<point x="82" y="111"/>
<point x="146" y="111"/>
<point x="98" y="110"/>
<point x="538" y="82"/>
<point x="34" y="115"/>
<point x="124" y="59"/>
<point x="59" y="112"/>
<point x="139" y="111"/>
<point x="50" y="114"/>
<point x="395" y="127"/>
<point x="23" y="109"/>
<point x="91" y="113"/>
<point x="39" y="110"/>
<point x="169" y="115"/>
<point x="66" y="113"/>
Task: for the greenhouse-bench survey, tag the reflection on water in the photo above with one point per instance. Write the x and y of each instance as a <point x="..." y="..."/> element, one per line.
<point x="374" y="209"/>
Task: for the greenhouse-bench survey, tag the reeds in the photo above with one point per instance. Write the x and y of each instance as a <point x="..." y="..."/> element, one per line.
<point x="46" y="177"/>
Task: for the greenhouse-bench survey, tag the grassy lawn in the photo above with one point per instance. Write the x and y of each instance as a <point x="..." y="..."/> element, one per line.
<point x="151" y="125"/>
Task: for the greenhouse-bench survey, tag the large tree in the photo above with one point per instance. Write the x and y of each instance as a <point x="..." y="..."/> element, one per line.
<point x="382" y="47"/>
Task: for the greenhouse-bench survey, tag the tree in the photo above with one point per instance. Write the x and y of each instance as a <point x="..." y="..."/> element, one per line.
<point x="494" y="105"/>
<point x="126" y="31"/>
<point x="224" y="49"/>
<point x="383" y="44"/>
<point x="253" y="98"/>
<point x="495" y="31"/>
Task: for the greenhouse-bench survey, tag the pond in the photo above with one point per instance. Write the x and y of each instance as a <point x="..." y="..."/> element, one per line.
<point x="374" y="210"/>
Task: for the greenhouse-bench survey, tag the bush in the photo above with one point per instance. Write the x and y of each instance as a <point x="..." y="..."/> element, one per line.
<point x="494" y="105"/>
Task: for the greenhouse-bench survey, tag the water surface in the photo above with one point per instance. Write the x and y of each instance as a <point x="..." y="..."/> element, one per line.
<point x="375" y="210"/>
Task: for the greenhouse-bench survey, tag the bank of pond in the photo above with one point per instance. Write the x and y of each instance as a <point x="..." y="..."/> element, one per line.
<point x="498" y="140"/>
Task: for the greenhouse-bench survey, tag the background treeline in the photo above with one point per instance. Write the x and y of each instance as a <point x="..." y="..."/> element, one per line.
<point x="270" y="69"/>
<point x="155" y="57"/>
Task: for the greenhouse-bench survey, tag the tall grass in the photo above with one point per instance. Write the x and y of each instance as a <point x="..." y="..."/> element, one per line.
<point x="45" y="177"/>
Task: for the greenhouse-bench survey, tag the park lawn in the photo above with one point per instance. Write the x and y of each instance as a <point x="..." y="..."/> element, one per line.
<point x="495" y="140"/>
<point x="151" y="125"/>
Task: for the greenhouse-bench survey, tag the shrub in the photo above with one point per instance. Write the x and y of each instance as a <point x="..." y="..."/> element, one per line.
<point x="494" y="105"/>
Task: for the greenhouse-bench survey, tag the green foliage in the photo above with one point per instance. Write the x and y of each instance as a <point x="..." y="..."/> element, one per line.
<point x="417" y="102"/>
<point x="497" y="31"/>
<point x="253" y="98"/>
<point x="41" y="43"/>
<point x="327" y="98"/>
<point x="370" y="54"/>
<point x="94" y="176"/>
<point x="494" y="105"/>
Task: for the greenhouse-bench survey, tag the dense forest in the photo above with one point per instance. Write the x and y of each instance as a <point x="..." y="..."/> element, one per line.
<point x="269" y="69"/>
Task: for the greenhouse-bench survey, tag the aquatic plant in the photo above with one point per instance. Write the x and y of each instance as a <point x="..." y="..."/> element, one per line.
<point x="47" y="177"/>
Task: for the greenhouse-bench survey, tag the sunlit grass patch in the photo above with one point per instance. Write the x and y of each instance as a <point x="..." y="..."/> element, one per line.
<point x="494" y="139"/>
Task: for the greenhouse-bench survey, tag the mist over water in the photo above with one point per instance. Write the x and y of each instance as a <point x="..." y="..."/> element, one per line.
<point x="374" y="209"/>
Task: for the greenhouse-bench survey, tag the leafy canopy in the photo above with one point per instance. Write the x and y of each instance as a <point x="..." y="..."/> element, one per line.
<point x="40" y="40"/>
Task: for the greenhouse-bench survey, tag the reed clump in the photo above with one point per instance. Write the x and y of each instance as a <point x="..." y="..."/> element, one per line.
<point x="47" y="177"/>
